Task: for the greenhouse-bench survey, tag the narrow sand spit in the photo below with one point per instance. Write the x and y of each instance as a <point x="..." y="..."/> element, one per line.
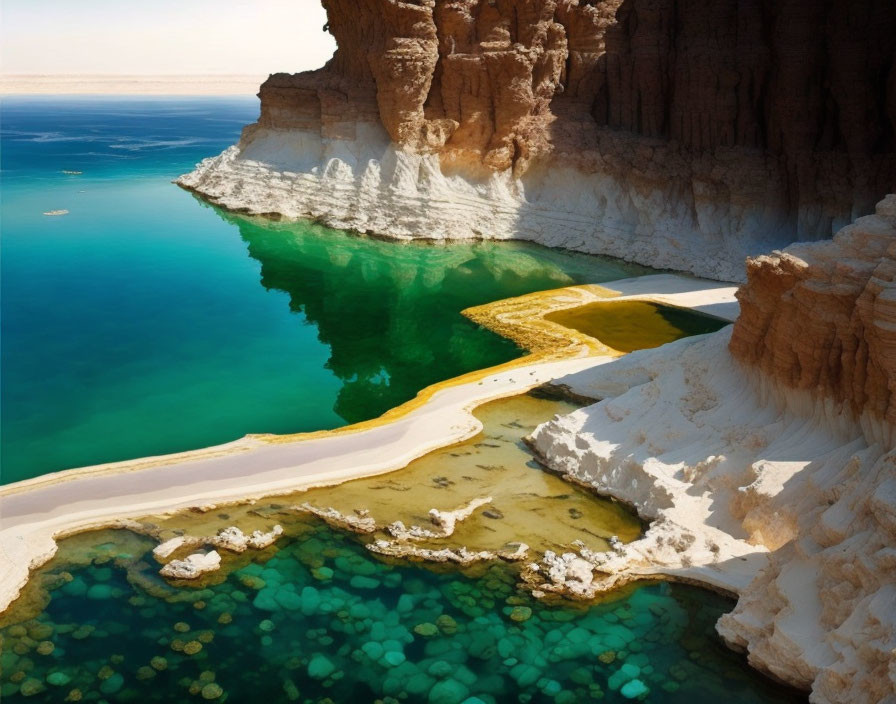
<point x="35" y="512"/>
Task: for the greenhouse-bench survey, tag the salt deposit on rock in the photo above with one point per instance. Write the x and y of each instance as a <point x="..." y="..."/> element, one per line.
<point x="361" y="522"/>
<point x="260" y="540"/>
<point x="193" y="566"/>
<point x="446" y="521"/>
<point x="460" y="555"/>
<point x="776" y="486"/>
<point x="197" y="564"/>
<point x="172" y="545"/>
<point x="233" y="539"/>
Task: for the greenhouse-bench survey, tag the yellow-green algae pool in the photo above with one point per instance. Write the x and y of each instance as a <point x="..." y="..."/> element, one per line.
<point x="634" y="325"/>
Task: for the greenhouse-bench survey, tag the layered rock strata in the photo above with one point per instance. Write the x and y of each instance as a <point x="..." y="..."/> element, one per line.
<point x="765" y="458"/>
<point x="676" y="134"/>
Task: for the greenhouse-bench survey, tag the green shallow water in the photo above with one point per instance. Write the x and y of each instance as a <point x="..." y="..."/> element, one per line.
<point x="320" y="620"/>
<point x="145" y="322"/>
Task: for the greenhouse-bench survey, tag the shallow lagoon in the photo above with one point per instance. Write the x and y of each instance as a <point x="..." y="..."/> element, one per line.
<point x="321" y="620"/>
<point x="317" y="618"/>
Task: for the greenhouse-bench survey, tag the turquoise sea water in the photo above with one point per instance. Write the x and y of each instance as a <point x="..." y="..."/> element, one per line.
<point x="145" y="322"/>
<point x="321" y="621"/>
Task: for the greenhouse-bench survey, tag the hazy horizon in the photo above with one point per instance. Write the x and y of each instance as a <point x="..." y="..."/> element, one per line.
<point x="58" y="38"/>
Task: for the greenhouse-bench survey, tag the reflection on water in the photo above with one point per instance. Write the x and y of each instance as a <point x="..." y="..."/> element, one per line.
<point x="136" y="325"/>
<point x="390" y="312"/>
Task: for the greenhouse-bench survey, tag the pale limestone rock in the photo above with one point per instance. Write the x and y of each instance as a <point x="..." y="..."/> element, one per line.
<point x="169" y="547"/>
<point x="446" y="521"/>
<point x="193" y="566"/>
<point x="260" y="540"/>
<point x="779" y="491"/>
<point x="361" y="522"/>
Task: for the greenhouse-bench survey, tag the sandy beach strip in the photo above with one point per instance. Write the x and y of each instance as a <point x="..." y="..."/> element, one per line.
<point x="34" y="513"/>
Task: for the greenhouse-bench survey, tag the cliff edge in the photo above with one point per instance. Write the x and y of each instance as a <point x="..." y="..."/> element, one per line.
<point x="764" y="456"/>
<point x="671" y="133"/>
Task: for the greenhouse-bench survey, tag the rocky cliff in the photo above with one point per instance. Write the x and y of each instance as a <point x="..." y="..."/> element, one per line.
<point x="821" y="317"/>
<point x="765" y="458"/>
<point x="673" y="132"/>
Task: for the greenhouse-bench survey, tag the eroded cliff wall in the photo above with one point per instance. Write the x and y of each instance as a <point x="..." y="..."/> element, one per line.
<point x="803" y="91"/>
<point x="821" y="316"/>
<point x="677" y="133"/>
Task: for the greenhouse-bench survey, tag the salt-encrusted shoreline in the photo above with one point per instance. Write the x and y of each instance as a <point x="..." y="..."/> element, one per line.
<point x="774" y="495"/>
<point x="34" y="513"/>
<point x="369" y="184"/>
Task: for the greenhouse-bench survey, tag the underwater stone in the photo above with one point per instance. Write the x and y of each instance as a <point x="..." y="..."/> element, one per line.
<point x="40" y="631"/>
<point x="426" y="629"/>
<point x="521" y="613"/>
<point x="448" y="691"/>
<point x="45" y="647"/>
<point x="320" y="667"/>
<point x="393" y="658"/>
<point x="266" y="600"/>
<point x="31" y="686"/>
<point x="373" y="650"/>
<point x="58" y="679"/>
<point x="99" y="591"/>
<point x="630" y="670"/>
<point x="212" y="691"/>
<point x="112" y="684"/>
<point x="322" y="573"/>
<point x="288" y="599"/>
<point x="634" y="688"/>
<point x="446" y="624"/>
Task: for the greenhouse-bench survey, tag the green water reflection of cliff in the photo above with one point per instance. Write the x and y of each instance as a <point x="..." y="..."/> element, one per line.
<point x="390" y="312"/>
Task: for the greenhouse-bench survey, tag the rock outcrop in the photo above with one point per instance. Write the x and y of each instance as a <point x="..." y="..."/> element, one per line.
<point x="672" y="133"/>
<point x="192" y="566"/>
<point x="765" y="459"/>
<point x="835" y="335"/>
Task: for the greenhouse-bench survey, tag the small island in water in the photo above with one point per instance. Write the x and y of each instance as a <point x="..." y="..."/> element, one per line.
<point x="535" y="351"/>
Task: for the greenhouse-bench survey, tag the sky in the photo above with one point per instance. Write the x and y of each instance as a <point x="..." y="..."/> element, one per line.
<point x="162" y="36"/>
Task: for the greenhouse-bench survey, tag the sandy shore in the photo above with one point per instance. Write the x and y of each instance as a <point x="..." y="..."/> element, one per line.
<point x="22" y="84"/>
<point x="34" y="513"/>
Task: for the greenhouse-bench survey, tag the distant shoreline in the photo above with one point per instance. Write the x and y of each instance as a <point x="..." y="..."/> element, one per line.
<point x="112" y="84"/>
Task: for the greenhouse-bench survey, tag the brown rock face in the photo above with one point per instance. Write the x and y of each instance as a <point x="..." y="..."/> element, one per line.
<point x="822" y="316"/>
<point x="733" y="99"/>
